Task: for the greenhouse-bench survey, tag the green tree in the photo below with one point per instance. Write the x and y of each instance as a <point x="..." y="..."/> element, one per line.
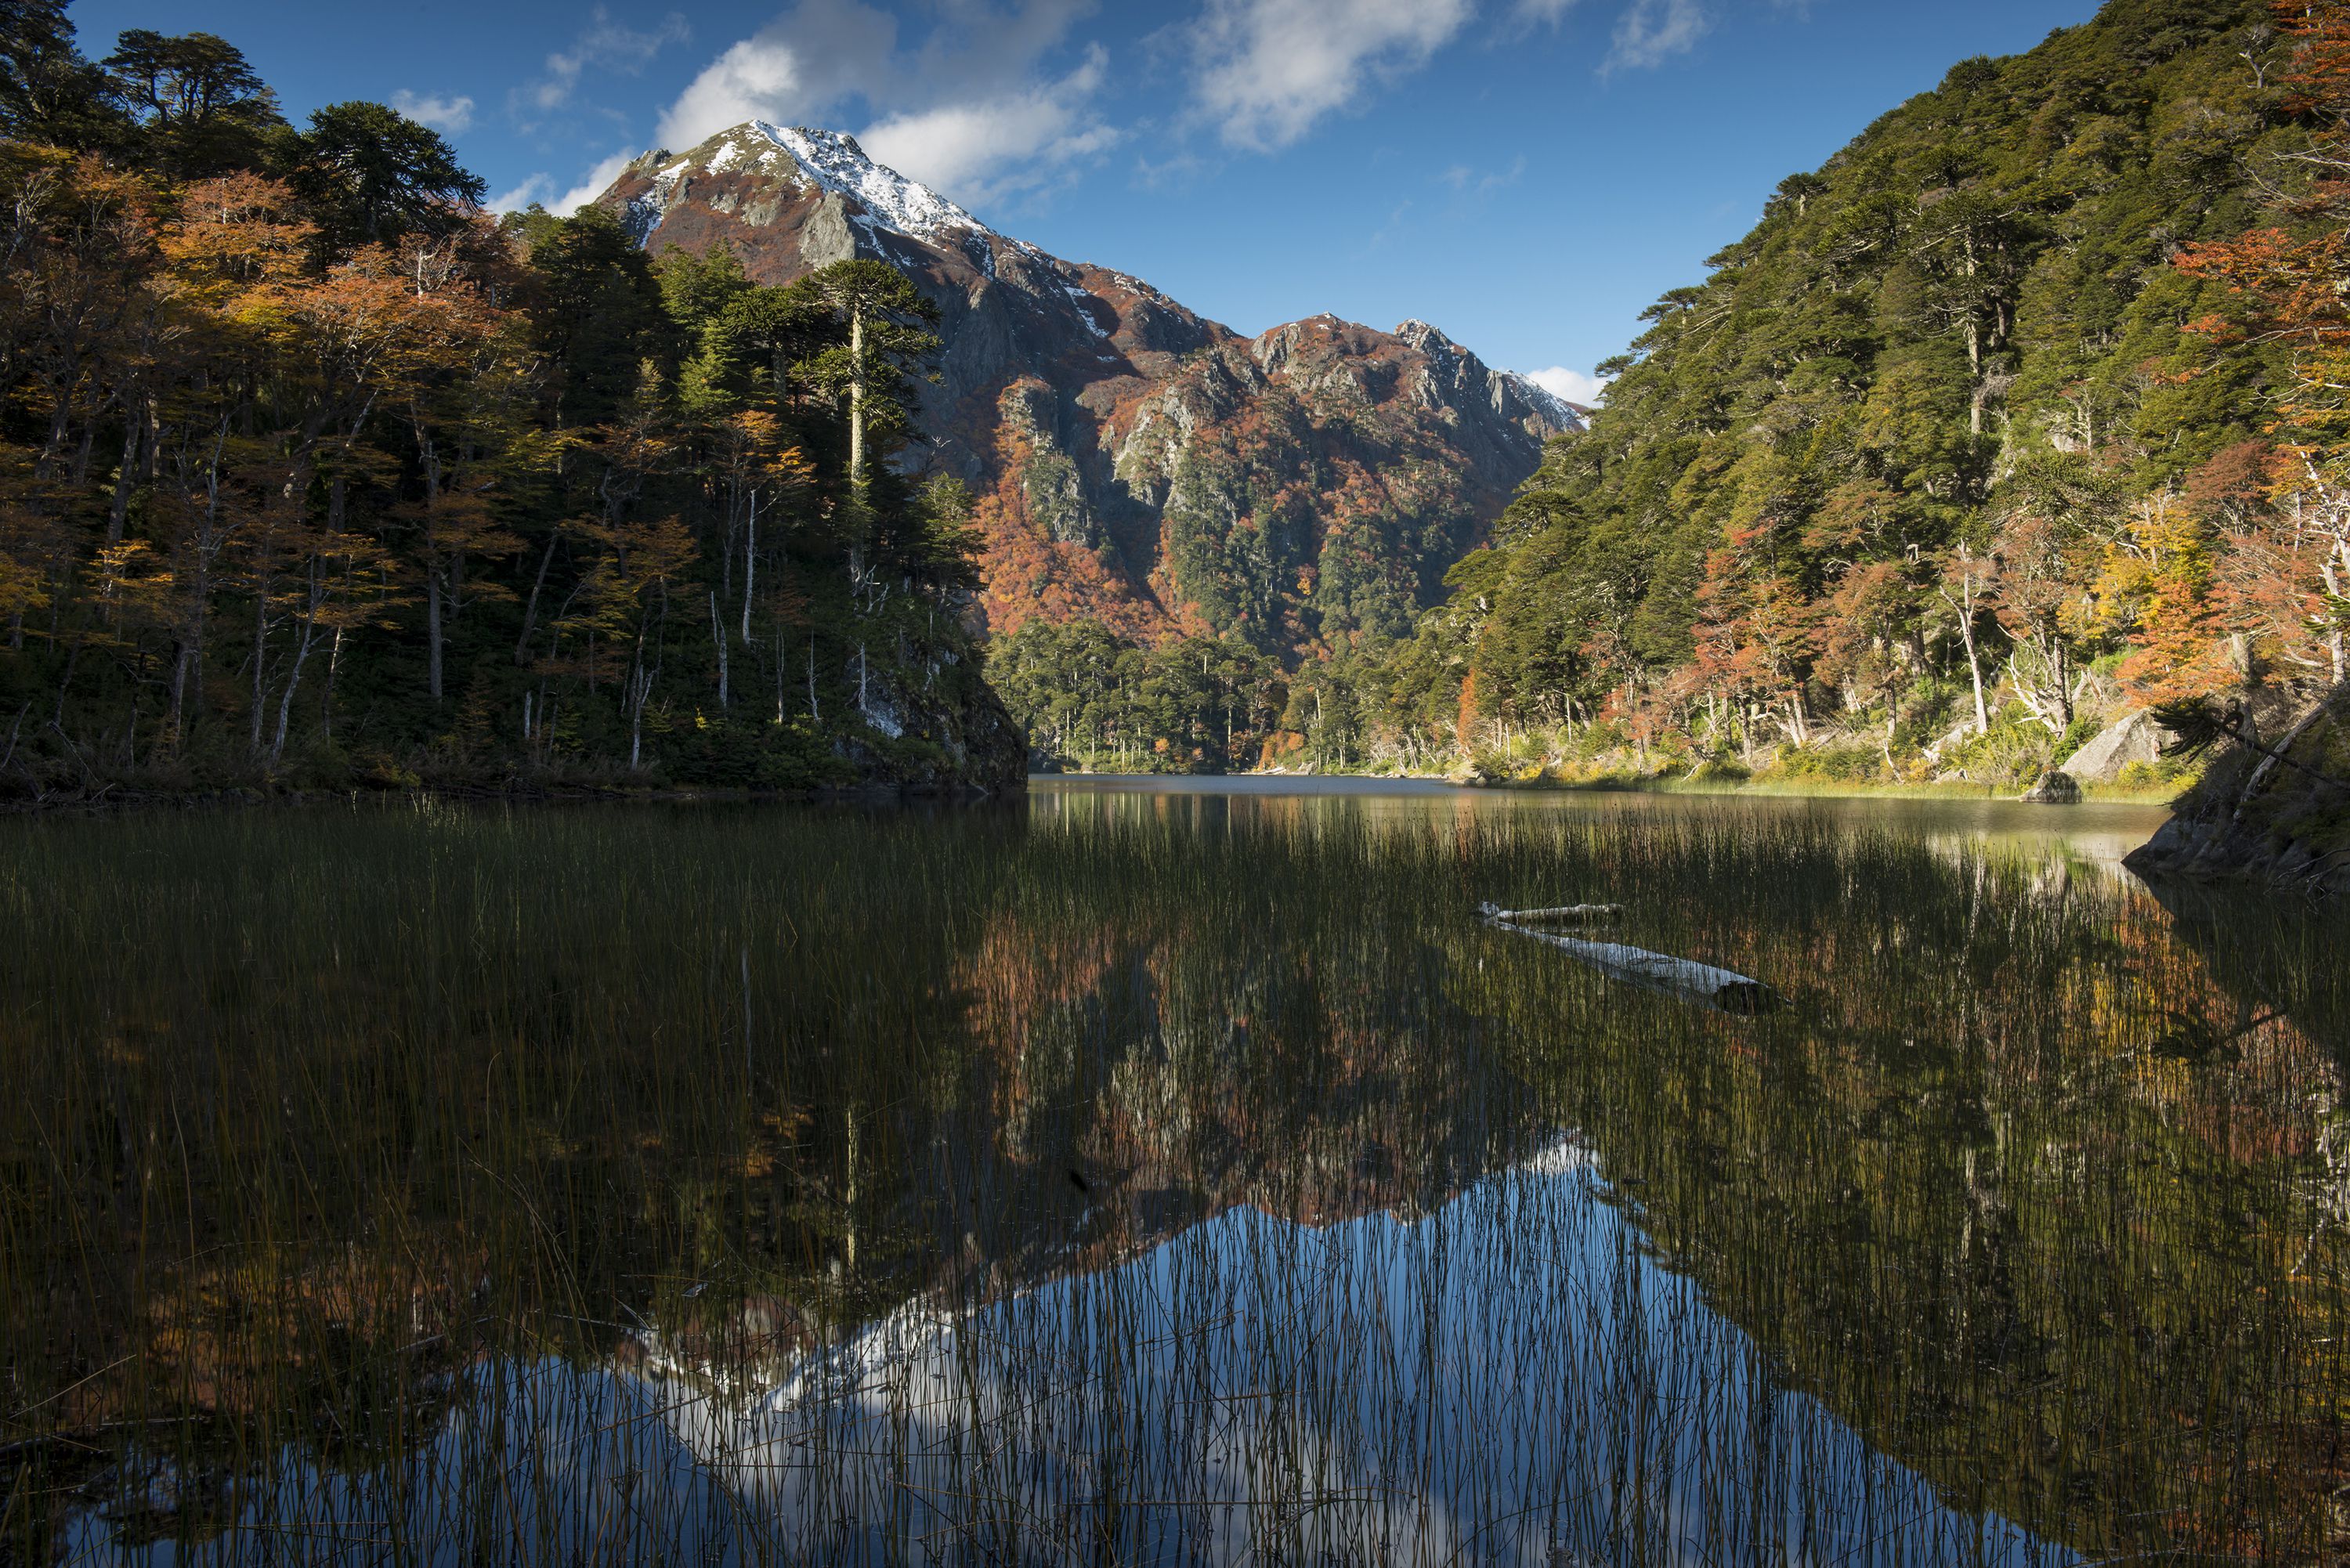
<point x="370" y="174"/>
<point x="201" y="108"/>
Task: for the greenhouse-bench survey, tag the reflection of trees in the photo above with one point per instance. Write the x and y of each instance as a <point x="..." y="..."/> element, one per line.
<point x="2021" y="1187"/>
<point x="368" y="1098"/>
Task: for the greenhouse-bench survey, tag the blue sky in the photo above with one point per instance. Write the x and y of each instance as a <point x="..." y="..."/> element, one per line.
<point x="1527" y="174"/>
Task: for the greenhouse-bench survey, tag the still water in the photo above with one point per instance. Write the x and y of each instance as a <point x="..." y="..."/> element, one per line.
<point x="1156" y="1172"/>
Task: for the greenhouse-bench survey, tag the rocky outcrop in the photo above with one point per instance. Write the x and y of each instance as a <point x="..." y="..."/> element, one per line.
<point x="1135" y="461"/>
<point x="2282" y="820"/>
<point x="2134" y="738"/>
<point x="2057" y="787"/>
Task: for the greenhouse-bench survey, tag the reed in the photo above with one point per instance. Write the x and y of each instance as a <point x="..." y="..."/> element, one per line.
<point x="1154" y="1177"/>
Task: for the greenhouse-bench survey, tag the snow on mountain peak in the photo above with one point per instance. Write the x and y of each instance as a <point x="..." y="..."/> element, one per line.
<point x="834" y="161"/>
<point x="1550" y="406"/>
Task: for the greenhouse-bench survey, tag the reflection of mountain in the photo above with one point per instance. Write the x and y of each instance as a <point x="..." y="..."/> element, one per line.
<point x="1980" y="1198"/>
<point x="1507" y="1378"/>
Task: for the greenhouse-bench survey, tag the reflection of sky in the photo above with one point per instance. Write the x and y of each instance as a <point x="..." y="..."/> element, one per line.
<point x="1507" y="1379"/>
<point x="2101" y="832"/>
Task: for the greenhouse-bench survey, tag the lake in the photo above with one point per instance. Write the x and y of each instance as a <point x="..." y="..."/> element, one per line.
<point x="1164" y="1172"/>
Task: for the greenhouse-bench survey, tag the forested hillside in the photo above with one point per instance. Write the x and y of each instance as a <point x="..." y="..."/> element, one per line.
<point x="312" y="471"/>
<point x="1973" y="442"/>
<point x="1948" y="448"/>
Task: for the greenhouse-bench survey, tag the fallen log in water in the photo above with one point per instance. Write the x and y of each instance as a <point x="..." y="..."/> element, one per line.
<point x="1726" y="990"/>
<point x="1562" y="913"/>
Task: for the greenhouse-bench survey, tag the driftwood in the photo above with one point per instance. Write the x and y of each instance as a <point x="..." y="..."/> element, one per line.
<point x="1722" y="989"/>
<point x="1562" y="913"/>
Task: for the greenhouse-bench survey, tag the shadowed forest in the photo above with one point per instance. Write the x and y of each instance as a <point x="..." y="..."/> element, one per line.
<point x="312" y="472"/>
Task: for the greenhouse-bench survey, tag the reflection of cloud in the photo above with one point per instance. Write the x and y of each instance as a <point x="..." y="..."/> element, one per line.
<point x="445" y="114"/>
<point x="1267" y="69"/>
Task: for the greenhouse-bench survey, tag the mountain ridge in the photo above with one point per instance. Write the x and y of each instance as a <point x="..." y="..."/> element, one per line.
<point x="1083" y="406"/>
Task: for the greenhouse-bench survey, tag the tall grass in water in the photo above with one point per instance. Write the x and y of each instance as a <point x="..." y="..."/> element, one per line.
<point x="1149" y="1177"/>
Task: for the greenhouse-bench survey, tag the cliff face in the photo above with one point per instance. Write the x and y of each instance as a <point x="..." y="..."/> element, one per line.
<point x="2259" y="818"/>
<point x="1137" y="462"/>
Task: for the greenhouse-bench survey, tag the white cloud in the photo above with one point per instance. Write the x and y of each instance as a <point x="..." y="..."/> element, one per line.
<point x="1573" y="385"/>
<point x="1469" y="182"/>
<point x="793" y="70"/>
<point x="992" y="148"/>
<point x="449" y="114"/>
<point x="1651" y="30"/>
<point x="591" y="186"/>
<point x="534" y="189"/>
<point x="604" y="45"/>
<point x="968" y="110"/>
<point x="1549" y="12"/>
<point x="1267" y="69"/>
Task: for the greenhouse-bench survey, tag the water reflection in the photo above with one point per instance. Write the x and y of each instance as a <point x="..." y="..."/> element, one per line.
<point x="1156" y="1176"/>
<point x="1510" y="1378"/>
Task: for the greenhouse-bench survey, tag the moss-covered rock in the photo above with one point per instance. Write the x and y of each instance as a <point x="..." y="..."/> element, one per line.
<point x="2279" y="819"/>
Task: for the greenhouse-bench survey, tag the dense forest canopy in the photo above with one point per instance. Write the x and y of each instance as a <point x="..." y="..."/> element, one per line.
<point x="1975" y="440"/>
<point x="2014" y="416"/>
<point x="311" y="469"/>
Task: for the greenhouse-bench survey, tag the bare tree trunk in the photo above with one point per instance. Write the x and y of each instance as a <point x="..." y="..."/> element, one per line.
<point x="1974" y="664"/>
<point x="718" y="636"/>
<point x="118" y="510"/>
<point x="293" y="680"/>
<point x="260" y="659"/>
<point x="750" y="567"/>
<point x="856" y="400"/>
<point x="326" y="699"/>
<point x="2334" y="588"/>
<point x="530" y="609"/>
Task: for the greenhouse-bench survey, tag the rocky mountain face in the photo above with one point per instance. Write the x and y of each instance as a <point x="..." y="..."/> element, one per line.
<point x="1135" y="460"/>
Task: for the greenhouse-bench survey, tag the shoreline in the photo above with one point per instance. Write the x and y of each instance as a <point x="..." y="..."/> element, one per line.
<point x="107" y="800"/>
<point x="2167" y="795"/>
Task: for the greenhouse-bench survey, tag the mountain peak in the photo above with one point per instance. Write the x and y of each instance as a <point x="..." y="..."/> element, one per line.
<point x="806" y="156"/>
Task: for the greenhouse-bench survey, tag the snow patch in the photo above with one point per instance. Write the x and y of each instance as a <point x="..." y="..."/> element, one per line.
<point x="1085" y="303"/>
<point x="836" y="162"/>
<point x="1547" y="403"/>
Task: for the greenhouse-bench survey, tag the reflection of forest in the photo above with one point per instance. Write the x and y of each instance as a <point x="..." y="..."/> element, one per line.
<point x="2028" y="1192"/>
<point x="2024" y="1187"/>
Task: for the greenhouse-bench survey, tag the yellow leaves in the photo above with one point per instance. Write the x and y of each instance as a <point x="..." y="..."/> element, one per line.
<point x="646" y="555"/>
<point x="136" y="585"/>
<point x="640" y="559"/>
<point x="22" y="587"/>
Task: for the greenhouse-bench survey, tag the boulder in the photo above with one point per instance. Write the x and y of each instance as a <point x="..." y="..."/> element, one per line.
<point x="2057" y="787"/>
<point x="2132" y="738"/>
<point x="2251" y="819"/>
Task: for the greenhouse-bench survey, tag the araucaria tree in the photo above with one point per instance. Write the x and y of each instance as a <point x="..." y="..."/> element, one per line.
<point x="312" y="470"/>
<point x="2023" y="411"/>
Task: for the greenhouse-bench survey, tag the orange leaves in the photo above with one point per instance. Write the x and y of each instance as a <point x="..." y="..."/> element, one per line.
<point x="236" y="236"/>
